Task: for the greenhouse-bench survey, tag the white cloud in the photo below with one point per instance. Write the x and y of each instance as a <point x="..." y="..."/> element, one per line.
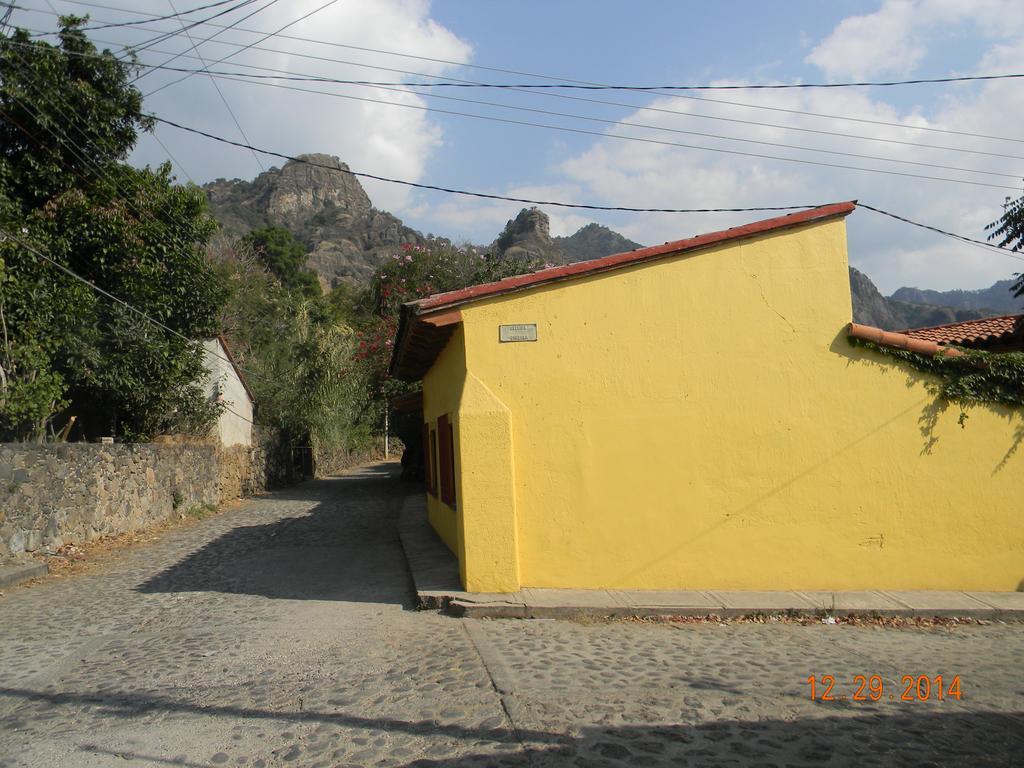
<point x="863" y="46"/>
<point x="895" y="39"/>
<point x="388" y="141"/>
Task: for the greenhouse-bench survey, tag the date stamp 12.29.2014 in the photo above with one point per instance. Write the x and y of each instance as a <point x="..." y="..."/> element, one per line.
<point x="877" y="688"/>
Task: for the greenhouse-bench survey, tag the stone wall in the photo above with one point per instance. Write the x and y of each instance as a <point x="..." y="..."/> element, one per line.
<point x="245" y="470"/>
<point x="66" y="493"/>
<point x="72" y="492"/>
<point x="329" y="462"/>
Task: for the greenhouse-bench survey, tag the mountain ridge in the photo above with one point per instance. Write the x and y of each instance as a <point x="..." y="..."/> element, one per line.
<point x="997" y="298"/>
<point x="327" y="209"/>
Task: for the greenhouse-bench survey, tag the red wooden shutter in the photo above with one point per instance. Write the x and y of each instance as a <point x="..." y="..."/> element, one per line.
<point x="446" y="460"/>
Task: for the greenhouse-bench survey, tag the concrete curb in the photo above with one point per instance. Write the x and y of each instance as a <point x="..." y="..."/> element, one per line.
<point x="12" y="575"/>
<point x="435" y="575"/>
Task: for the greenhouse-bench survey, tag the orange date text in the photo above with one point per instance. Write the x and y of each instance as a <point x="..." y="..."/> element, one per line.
<point x="877" y="688"/>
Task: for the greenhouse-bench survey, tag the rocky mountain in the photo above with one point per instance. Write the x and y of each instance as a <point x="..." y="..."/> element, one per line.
<point x="529" y="233"/>
<point x="993" y="300"/>
<point x="870" y="307"/>
<point x="348" y="239"/>
<point x="323" y="206"/>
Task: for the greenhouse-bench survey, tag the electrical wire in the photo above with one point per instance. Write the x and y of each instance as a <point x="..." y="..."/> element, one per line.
<point x="250" y="45"/>
<point x="64" y="140"/>
<point x="580" y="84"/>
<point x="1008" y="251"/>
<point x="675" y="144"/>
<point x="290" y="76"/>
<point x="175" y="15"/>
<point x="216" y="86"/>
<point x="134" y="50"/>
<point x="485" y="195"/>
<point x="482" y="67"/>
<point x="629" y="124"/>
<point x="164" y="36"/>
<point x="559" y="204"/>
<point x="172" y="157"/>
<point x="581" y="131"/>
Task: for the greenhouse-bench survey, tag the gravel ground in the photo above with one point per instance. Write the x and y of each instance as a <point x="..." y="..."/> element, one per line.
<point x="281" y="633"/>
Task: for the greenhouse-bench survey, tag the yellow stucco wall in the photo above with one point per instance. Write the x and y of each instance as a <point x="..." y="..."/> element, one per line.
<point x="702" y="422"/>
<point x="442" y="393"/>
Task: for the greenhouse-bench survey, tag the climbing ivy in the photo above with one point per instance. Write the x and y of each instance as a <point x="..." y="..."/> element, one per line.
<point x="974" y="378"/>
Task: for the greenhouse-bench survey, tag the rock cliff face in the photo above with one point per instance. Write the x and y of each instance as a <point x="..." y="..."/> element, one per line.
<point x="872" y="308"/>
<point x="529" y="233"/>
<point x="324" y="207"/>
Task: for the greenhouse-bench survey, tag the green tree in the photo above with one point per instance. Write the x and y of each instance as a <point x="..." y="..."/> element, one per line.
<point x="301" y="348"/>
<point x="285" y="257"/>
<point x="1008" y="229"/>
<point x="69" y="120"/>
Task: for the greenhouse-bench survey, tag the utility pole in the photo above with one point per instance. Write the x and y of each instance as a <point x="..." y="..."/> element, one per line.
<point x="386" y="434"/>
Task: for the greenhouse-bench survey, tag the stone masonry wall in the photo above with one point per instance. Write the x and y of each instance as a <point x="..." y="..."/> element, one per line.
<point x="245" y="470"/>
<point x="67" y="493"/>
<point x="72" y="492"/>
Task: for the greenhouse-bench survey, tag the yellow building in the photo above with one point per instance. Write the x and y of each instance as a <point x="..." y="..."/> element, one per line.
<point x="692" y="416"/>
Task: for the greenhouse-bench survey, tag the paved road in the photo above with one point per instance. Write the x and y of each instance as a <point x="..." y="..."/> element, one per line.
<point x="279" y="634"/>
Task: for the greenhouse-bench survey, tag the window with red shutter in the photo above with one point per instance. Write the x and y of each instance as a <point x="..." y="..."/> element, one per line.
<point x="446" y="460"/>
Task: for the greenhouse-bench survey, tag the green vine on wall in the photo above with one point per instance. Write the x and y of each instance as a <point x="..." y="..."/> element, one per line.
<point x="972" y="379"/>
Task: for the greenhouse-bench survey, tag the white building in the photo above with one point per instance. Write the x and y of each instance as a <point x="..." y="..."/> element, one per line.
<point x="227" y="384"/>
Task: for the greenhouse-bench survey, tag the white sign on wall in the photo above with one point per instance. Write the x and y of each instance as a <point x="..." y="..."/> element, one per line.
<point x="521" y="332"/>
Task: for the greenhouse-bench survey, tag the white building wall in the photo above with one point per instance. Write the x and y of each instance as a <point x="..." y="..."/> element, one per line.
<point x="235" y="424"/>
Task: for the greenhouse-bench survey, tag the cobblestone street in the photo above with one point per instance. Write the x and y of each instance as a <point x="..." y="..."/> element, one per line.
<point x="281" y="634"/>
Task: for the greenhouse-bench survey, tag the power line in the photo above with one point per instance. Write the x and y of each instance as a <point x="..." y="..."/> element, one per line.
<point x="450" y="62"/>
<point x="236" y="76"/>
<point x="579" y="84"/>
<point x="173" y="159"/>
<point x="216" y="85"/>
<point x="250" y="45"/>
<point x="286" y="75"/>
<point x="168" y="35"/>
<point x="559" y="204"/>
<point x="647" y="88"/>
<point x="581" y="131"/>
<point x="1009" y="252"/>
<point x="609" y="121"/>
<point x="632" y="106"/>
<point x="484" y="195"/>
<point x="175" y="15"/>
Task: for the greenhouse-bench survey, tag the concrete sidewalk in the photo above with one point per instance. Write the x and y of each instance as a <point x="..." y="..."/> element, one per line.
<point x="435" y="574"/>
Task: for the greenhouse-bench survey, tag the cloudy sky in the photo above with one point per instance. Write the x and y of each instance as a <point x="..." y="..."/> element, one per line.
<point x="950" y="153"/>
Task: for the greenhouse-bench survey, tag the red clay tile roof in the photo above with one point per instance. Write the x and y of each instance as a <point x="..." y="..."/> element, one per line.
<point x="970" y="332"/>
<point x="418" y="343"/>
